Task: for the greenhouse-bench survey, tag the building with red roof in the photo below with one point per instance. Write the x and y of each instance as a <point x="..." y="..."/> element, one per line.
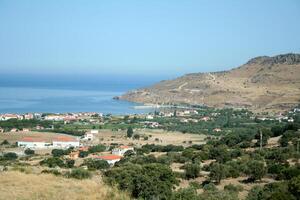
<point x="110" y="159"/>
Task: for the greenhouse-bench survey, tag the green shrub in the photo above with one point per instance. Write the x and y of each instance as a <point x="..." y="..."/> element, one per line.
<point x="29" y="152"/>
<point x="79" y="173"/>
<point x="10" y="156"/>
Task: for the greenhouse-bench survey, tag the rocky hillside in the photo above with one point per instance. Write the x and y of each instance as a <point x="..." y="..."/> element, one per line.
<point x="262" y="84"/>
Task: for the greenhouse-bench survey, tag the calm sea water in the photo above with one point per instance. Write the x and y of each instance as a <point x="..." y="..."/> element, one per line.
<point x="60" y="94"/>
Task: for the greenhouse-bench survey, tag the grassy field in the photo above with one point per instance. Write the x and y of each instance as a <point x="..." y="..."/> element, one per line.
<point x="21" y="186"/>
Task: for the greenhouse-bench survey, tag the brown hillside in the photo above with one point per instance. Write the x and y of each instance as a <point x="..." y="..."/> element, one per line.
<point x="262" y="84"/>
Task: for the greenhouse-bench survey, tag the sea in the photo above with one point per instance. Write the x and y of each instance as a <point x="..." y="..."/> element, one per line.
<point x="21" y="93"/>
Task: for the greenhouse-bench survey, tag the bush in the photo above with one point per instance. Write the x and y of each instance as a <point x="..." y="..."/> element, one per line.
<point x="233" y="188"/>
<point x="79" y="173"/>
<point x="58" y="152"/>
<point x="96" y="164"/>
<point x="53" y="162"/>
<point x="5" y="142"/>
<point x="83" y="154"/>
<point x="97" y="148"/>
<point x="51" y="171"/>
<point x="149" y="181"/>
<point x="29" y="152"/>
<point x="136" y="136"/>
<point x="10" y="156"/>
<point x="70" y="163"/>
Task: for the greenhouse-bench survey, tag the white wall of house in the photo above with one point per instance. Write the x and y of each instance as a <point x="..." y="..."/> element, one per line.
<point x="32" y="145"/>
<point x="121" y="151"/>
<point x="64" y="144"/>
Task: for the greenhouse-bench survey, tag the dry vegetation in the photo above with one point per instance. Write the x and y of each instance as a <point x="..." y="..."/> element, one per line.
<point x="21" y="186"/>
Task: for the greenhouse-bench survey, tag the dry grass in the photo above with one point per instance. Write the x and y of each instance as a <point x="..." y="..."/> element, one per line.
<point x="17" y="185"/>
<point x="163" y="137"/>
<point x="13" y="137"/>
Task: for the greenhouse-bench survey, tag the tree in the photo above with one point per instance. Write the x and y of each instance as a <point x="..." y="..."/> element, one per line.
<point x="217" y="172"/>
<point x="29" y="152"/>
<point x="255" y="169"/>
<point x="129" y="132"/>
<point x="191" y="170"/>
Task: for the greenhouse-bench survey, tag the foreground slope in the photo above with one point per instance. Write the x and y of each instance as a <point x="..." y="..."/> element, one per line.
<point x="17" y="185"/>
<point x="262" y="84"/>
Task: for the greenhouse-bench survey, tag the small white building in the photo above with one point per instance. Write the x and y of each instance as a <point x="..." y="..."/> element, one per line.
<point x="33" y="143"/>
<point x="110" y="159"/>
<point x="94" y="131"/>
<point x="121" y="150"/>
<point x="149" y="117"/>
<point x="88" y="136"/>
<point x="65" y="142"/>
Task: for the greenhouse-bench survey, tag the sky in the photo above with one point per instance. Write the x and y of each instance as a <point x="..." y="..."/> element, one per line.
<point x="157" y="37"/>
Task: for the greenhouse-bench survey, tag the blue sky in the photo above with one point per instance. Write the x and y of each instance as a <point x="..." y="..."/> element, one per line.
<point x="166" y="37"/>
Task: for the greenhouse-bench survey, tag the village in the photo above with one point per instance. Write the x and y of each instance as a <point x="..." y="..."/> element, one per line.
<point x="192" y="143"/>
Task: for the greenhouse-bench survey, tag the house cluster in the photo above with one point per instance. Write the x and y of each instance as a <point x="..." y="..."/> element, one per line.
<point x="71" y="117"/>
<point x="116" y="154"/>
<point x="150" y="124"/>
<point x="27" y="116"/>
<point x="62" y="142"/>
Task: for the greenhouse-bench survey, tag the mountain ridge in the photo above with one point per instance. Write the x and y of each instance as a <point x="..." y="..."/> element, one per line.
<point x="262" y="84"/>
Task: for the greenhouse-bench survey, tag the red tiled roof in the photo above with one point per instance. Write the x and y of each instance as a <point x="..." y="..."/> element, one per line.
<point x="124" y="147"/>
<point x="32" y="139"/>
<point x="64" y="139"/>
<point x="109" y="157"/>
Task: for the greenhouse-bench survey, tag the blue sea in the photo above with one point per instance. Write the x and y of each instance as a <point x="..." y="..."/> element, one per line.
<point x="61" y="94"/>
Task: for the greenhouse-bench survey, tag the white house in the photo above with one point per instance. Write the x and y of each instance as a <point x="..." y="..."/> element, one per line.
<point x="65" y="142"/>
<point x="110" y="159"/>
<point x="32" y="143"/>
<point x="54" y="117"/>
<point x="121" y="150"/>
<point x="94" y="131"/>
<point x="88" y="136"/>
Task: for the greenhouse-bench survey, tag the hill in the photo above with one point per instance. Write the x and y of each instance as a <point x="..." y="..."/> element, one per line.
<point x="262" y="84"/>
